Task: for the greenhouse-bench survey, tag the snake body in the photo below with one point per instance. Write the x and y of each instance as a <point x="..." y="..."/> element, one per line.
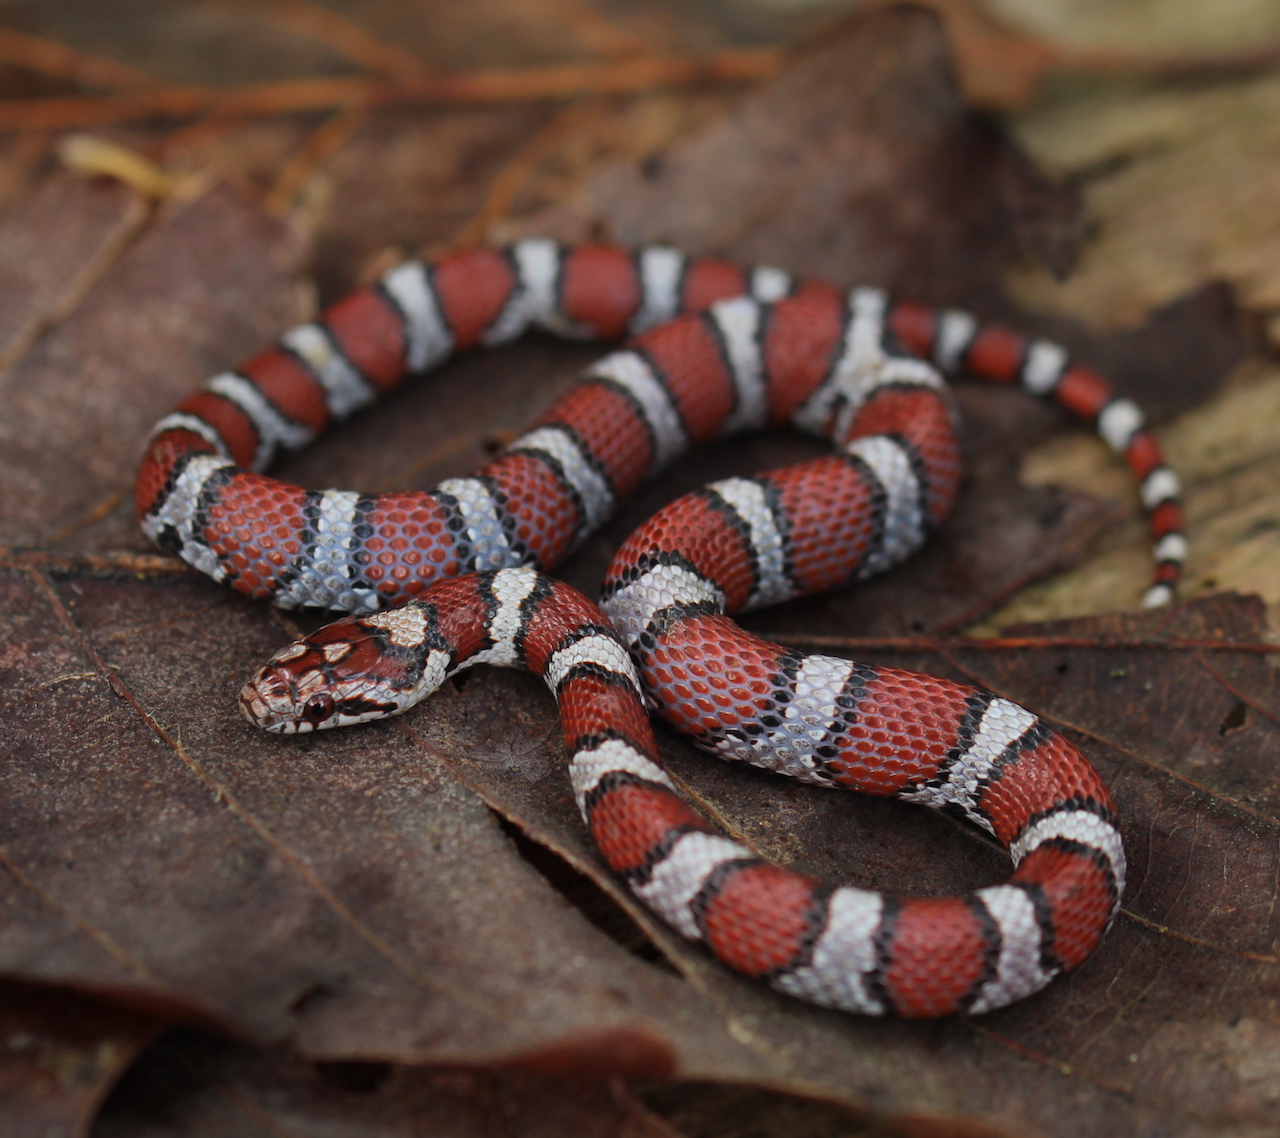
<point x="718" y="349"/>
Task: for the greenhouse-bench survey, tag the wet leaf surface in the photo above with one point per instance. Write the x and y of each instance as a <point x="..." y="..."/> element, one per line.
<point x="422" y="891"/>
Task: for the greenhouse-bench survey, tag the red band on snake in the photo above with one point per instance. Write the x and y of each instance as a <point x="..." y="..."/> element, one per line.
<point x="775" y="354"/>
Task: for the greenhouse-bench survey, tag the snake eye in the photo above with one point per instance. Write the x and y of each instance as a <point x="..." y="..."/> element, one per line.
<point x="318" y="708"/>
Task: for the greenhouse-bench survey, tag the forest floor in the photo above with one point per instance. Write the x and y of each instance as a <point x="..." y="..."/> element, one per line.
<point x="208" y="933"/>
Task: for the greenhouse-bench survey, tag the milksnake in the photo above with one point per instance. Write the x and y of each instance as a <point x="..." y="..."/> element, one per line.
<point x="717" y="350"/>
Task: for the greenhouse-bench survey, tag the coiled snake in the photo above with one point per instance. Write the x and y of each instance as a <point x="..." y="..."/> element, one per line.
<point x="717" y="349"/>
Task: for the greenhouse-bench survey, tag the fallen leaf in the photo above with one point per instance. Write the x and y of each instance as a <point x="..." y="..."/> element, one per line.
<point x="206" y="279"/>
<point x="60" y="1054"/>
<point x="202" y="1088"/>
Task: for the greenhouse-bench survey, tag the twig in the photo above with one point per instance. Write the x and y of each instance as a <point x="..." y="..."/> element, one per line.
<point x="534" y="84"/>
<point x="595" y="31"/>
<point x="123" y="562"/>
<point x="513" y="177"/>
<point x="344" y="35"/>
<point x="321" y="145"/>
<point x="48" y="57"/>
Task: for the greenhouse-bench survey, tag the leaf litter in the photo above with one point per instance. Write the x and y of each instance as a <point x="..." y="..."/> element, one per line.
<point x="362" y="898"/>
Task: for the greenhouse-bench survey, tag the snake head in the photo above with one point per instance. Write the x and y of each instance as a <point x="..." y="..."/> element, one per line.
<point x="346" y="672"/>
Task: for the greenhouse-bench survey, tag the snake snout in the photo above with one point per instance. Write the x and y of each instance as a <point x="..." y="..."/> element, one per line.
<point x="269" y="701"/>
